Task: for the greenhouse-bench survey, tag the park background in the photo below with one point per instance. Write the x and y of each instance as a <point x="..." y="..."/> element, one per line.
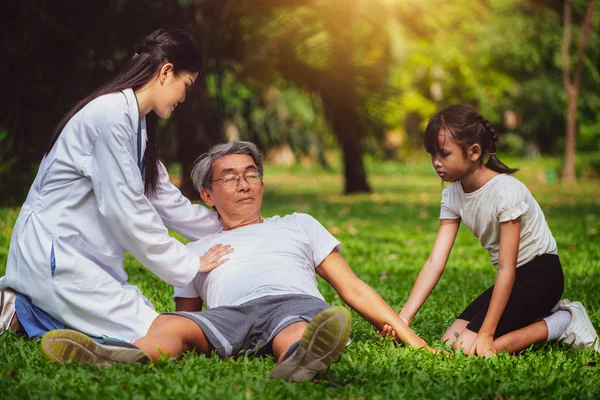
<point x="336" y="94"/>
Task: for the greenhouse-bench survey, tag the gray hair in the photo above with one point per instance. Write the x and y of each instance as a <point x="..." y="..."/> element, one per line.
<point x="202" y="171"/>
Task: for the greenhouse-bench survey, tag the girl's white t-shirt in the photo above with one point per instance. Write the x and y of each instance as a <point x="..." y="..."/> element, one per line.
<point x="503" y="198"/>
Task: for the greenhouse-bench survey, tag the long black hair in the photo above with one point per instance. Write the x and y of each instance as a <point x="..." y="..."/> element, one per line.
<point x="467" y="127"/>
<point x="161" y="46"/>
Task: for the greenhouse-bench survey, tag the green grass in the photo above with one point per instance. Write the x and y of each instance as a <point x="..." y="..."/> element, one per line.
<point x="386" y="238"/>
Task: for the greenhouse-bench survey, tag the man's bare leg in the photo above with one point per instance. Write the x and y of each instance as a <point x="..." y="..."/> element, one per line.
<point x="169" y="335"/>
<point x="172" y="335"/>
<point x="286" y="337"/>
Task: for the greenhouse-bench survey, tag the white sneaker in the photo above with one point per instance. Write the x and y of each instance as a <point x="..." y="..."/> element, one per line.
<point x="561" y="302"/>
<point x="580" y="332"/>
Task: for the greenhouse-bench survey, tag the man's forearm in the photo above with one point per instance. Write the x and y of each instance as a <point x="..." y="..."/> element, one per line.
<point x="374" y="309"/>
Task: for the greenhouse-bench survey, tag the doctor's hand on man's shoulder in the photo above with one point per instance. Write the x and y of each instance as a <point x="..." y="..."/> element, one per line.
<point x="214" y="257"/>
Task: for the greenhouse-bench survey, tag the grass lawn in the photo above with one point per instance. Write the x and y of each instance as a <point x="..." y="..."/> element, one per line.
<point x="386" y="237"/>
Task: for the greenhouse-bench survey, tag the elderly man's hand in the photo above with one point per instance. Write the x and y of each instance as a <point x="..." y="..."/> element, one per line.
<point x="214" y="257"/>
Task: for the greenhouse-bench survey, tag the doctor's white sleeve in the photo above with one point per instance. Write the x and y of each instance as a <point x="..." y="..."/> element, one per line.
<point x="193" y="221"/>
<point x="133" y="220"/>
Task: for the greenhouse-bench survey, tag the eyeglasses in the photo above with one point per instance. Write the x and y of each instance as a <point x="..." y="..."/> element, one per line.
<point x="232" y="180"/>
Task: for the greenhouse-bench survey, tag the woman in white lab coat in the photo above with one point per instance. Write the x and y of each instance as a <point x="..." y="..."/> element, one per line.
<point x="100" y="191"/>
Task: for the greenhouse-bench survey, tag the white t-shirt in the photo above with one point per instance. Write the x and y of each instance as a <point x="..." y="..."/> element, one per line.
<point x="276" y="257"/>
<point x="503" y="198"/>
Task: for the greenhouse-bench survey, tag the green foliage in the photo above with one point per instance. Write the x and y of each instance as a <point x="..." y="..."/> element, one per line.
<point x="501" y="55"/>
<point x="587" y="165"/>
<point x="381" y="67"/>
<point x="12" y="186"/>
<point x="512" y="144"/>
<point x="386" y="238"/>
<point x="273" y="116"/>
<point x="7" y="161"/>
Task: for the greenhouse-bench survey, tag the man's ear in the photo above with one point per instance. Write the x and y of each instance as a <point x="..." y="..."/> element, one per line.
<point x="474" y="152"/>
<point x="207" y="198"/>
<point x="165" y="70"/>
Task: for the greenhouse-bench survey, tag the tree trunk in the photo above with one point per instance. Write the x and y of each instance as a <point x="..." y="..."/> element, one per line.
<point x="572" y="87"/>
<point x="347" y="127"/>
<point x="198" y="123"/>
<point x="568" y="173"/>
<point x="340" y="100"/>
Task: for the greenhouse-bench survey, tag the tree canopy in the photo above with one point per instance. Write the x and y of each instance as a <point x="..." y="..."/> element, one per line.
<point x="355" y="75"/>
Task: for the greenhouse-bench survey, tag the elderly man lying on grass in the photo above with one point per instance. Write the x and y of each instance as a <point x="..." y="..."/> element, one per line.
<point x="264" y="299"/>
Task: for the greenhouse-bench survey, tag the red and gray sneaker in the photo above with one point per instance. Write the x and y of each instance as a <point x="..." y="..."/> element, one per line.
<point x="62" y="345"/>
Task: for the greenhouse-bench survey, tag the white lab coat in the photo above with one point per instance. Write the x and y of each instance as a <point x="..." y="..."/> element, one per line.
<point x="87" y="204"/>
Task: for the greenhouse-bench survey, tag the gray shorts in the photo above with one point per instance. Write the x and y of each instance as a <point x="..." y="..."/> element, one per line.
<point x="252" y="326"/>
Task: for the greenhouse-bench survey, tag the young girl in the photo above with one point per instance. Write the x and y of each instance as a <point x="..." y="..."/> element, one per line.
<point x="517" y="311"/>
<point x="100" y="191"/>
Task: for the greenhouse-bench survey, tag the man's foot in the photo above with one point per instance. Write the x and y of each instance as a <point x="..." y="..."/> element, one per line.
<point x="321" y="345"/>
<point x="561" y="302"/>
<point x="62" y="345"/>
<point x="580" y="332"/>
<point x="7" y="309"/>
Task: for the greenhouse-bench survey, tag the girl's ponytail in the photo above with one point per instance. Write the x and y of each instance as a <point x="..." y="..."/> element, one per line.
<point x="467" y="127"/>
<point x="493" y="162"/>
